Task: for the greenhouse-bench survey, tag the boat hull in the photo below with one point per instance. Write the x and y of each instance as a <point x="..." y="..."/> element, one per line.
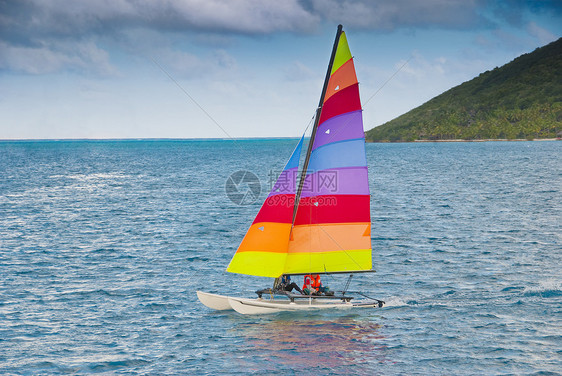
<point x="261" y="306"/>
<point x="214" y="301"/>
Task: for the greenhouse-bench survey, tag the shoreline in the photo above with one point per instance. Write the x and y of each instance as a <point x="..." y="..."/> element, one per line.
<point x="461" y="140"/>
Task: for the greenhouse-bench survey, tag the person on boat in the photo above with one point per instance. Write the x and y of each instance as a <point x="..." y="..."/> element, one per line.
<point x="313" y="286"/>
<point x="286" y="285"/>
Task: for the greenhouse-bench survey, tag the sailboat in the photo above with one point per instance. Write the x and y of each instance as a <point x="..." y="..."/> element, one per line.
<point x="322" y="224"/>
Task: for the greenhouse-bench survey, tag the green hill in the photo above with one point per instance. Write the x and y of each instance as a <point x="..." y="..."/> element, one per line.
<point x="520" y="100"/>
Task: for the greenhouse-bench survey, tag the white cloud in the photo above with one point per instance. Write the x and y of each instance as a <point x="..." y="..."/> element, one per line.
<point x="72" y="19"/>
<point x="297" y="71"/>
<point x="542" y="35"/>
<point x="34" y="30"/>
<point x="236" y="58"/>
<point x="49" y="57"/>
<point x="244" y="16"/>
<point x="218" y="64"/>
<point x="390" y="15"/>
<point x="68" y="18"/>
<point x="44" y="36"/>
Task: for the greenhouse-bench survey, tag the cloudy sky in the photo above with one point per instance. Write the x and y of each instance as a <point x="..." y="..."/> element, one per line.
<point x="240" y="68"/>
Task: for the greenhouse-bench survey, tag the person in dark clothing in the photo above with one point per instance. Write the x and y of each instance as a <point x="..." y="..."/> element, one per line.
<point x="286" y="285"/>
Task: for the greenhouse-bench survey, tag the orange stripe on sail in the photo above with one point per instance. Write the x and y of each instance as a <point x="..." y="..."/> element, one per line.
<point x="330" y="237"/>
<point x="345" y="76"/>
<point x="266" y="237"/>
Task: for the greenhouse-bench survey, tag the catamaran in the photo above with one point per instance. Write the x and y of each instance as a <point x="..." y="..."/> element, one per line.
<point x="322" y="225"/>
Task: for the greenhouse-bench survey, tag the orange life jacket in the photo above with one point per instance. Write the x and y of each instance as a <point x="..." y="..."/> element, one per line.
<point x="310" y="280"/>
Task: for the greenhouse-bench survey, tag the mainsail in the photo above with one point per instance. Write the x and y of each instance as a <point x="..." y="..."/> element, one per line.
<point x="329" y="229"/>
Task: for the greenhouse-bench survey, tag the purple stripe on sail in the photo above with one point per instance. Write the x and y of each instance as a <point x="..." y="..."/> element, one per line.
<point x="337" y="181"/>
<point x="286" y="183"/>
<point x="343" y="127"/>
<point x="349" y="153"/>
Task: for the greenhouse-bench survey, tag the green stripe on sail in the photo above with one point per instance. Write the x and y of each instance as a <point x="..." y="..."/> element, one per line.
<point x="342" y="53"/>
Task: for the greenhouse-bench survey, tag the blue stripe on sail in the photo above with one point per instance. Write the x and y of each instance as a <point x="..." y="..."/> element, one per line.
<point x="294" y="160"/>
<point x="349" y="153"/>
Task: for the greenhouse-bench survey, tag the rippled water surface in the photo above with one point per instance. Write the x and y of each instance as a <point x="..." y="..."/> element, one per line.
<point x="103" y="245"/>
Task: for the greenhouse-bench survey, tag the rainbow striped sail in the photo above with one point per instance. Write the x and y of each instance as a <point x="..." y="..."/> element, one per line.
<point x="329" y="228"/>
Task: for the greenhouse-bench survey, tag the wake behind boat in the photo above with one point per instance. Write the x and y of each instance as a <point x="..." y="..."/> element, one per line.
<point x="322" y="225"/>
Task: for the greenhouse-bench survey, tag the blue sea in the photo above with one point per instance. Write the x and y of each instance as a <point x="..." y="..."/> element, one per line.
<point x="104" y="243"/>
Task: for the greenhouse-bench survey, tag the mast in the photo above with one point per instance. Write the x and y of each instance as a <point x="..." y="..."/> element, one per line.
<point x="316" y="121"/>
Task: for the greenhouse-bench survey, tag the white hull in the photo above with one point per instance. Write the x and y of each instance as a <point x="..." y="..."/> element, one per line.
<point x="261" y="306"/>
<point x="214" y="301"/>
<point x="265" y="306"/>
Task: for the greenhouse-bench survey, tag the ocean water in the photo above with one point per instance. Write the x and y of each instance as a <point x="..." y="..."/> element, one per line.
<point x="103" y="245"/>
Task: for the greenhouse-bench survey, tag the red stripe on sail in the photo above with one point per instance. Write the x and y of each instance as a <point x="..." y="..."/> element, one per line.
<point x="344" y="101"/>
<point x="277" y="208"/>
<point x="334" y="209"/>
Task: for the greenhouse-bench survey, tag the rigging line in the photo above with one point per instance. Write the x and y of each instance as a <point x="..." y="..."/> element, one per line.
<point x="198" y="105"/>
<point x="310" y="122"/>
<point x="202" y="109"/>
<point x="387" y="81"/>
<point x="303" y="138"/>
<point x="192" y="99"/>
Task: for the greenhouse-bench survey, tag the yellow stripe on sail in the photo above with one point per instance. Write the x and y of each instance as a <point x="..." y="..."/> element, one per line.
<point x="262" y="264"/>
<point x="342" y="53"/>
<point x="263" y="250"/>
<point x="320" y="262"/>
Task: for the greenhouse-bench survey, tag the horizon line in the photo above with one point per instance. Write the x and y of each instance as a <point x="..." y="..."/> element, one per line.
<point x="150" y="139"/>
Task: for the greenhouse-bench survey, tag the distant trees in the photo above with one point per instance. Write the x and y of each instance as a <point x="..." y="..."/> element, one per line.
<point x="520" y="100"/>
